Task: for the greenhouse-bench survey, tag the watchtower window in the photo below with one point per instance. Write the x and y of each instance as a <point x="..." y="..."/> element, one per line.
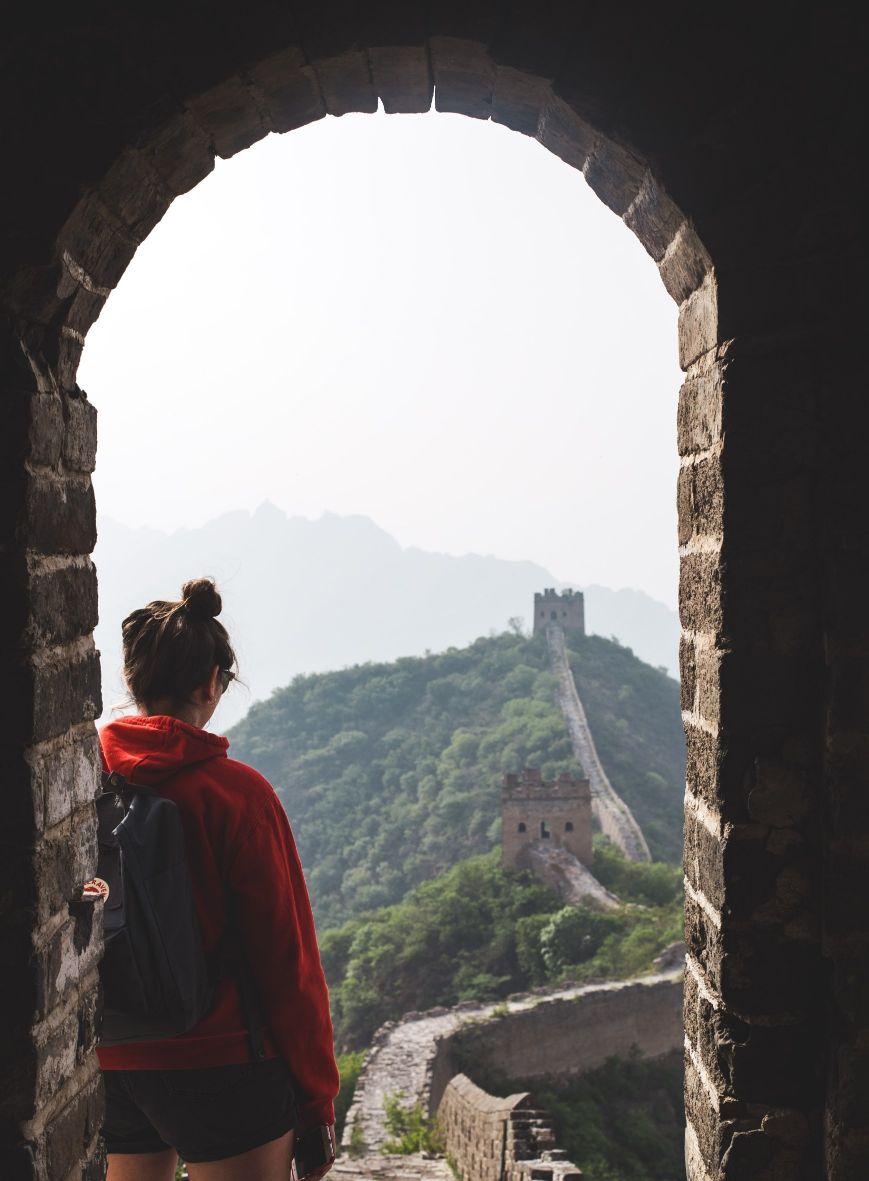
<point x="568" y="826"/>
<point x="544" y="830"/>
<point x="553" y="615"/>
<point x="522" y="827"/>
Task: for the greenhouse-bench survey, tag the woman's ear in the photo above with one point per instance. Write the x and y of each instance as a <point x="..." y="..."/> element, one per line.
<point x="212" y="685"/>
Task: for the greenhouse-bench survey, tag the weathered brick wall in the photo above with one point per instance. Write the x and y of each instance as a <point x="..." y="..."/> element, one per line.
<point x="719" y="137"/>
<point x="49" y="942"/>
<point x="571" y="1035"/>
<point x="492" y="1139"/>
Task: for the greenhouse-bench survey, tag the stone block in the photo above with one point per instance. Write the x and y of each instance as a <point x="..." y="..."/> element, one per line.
<point x="67" y="775"/>
<point x="703" y="860"/>
<point x="615" y="174"/>
<point x="464" y="76"/>
<point x="653" y="217"/>
<point x="708" y="661"/>
<point x="345" y="82"/>
<point x="519" y="100"/>
<point x="229" y="117"/>
<point x="45" y="437"/>
<point x="701" y="592"/>
<point x="60" y="515"/>
<point x="703" y="939"/>
<point x="134" y="192"/>
<point x="63" y="860"/>
<point x="565" y="134"/>
<point x="94" y="245"/>
<point x="180" y="153"/>
<point x="706" y="1127"/>
<point x="700" y="499"/>
<point x="698" y="323"/>
<point x="82" y="312"/>
<point x="402" y="77"/>
<point x="287" y="89"/>
<point x="63" y="604"/>
<point x="686" y="265"/>
<point x="56" y="1059"/>
<point x="700" y="414"/>
<point x="80" y="433"/>
<point x="59" y="964"/>
<point x="42" y="701"/>
<point x="703" y="767"/>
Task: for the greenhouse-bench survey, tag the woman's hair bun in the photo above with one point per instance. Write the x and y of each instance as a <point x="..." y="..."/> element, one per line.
<point x="200" y="598"/>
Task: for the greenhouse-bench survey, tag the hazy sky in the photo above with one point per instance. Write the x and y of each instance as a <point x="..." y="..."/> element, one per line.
<point x="428" y="320"/>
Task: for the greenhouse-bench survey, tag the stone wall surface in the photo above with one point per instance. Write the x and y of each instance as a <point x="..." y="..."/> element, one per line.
<point x="730" y="141"/>
<point x="559" y="1032"/>
<point x="493" y="1139"/>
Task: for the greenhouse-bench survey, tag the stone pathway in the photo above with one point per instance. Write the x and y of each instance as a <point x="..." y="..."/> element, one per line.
<point x="616" y="818"/>
<point x="391" y="1168"/>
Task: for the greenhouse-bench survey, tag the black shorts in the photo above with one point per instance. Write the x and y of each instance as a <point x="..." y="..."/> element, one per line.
<point x="206" y="1115"/>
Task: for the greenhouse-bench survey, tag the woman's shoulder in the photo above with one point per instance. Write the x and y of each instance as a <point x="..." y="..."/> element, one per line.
<point x="244" y="777"/>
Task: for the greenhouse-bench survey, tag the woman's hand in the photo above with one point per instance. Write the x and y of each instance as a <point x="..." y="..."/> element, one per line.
<point x="320" y="1167"/>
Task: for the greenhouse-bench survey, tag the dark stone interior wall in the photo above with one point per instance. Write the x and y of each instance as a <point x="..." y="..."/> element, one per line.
<point x="732" y="145"/>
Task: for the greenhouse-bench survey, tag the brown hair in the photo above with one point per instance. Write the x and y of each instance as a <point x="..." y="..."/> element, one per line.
<point x="171" y="648"/>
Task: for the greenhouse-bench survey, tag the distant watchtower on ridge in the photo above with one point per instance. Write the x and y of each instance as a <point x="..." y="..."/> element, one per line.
<point x="537" y="809"/>
<point x="566" y="608"/>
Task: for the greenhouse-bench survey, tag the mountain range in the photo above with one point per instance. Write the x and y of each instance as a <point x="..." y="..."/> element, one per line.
<point x="304" y="596"/>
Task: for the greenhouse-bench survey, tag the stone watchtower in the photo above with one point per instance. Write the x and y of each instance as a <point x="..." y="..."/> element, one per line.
<point x="566" y="608"/>
<point x="538" y="809"/>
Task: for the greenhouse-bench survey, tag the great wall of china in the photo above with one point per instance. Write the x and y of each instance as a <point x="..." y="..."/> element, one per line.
<point x="612" y="813"/>
<point x="551" y="1032"/>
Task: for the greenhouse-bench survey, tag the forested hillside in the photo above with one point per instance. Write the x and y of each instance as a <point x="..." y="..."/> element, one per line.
<point x="479" y="932"/>
<point x="391" y="773"/>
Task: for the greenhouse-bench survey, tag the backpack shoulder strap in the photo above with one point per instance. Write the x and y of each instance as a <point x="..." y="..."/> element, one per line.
<point x="115" y="783"/>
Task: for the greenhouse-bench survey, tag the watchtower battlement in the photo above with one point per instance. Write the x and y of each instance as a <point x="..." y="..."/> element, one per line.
<point x="537" y="809"/>
<point x="566" y="608"/>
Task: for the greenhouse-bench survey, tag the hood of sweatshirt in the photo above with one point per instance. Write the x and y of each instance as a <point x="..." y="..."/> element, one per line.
<point x="148" y="750"/>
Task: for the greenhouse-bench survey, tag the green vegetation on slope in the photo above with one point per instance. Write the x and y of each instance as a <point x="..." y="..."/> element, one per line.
<point x="480" y="932"/>
<point x="623" y="1121"/>
<point x="391" y="773"/>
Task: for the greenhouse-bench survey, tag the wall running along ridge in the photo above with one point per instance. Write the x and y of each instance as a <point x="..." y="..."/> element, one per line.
<point x="564" y="1031"/>
<point x="614" y="816"/>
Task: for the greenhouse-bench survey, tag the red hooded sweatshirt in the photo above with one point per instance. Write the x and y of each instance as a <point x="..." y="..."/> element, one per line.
<point x="239" y="843"/>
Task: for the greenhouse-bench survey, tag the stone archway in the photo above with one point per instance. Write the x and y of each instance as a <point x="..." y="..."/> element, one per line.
<point x="693" y="130"/>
